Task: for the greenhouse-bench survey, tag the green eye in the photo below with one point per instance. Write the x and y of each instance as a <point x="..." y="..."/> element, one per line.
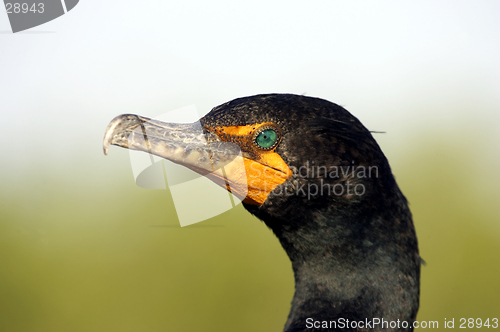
<point x="266" y="139"/>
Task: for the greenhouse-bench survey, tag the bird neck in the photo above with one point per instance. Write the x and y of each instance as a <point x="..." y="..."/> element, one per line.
<point x="343" y="273"/>
<point x="350" y="263"/>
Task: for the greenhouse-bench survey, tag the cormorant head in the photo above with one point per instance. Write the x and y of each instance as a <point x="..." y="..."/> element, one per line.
<point x="300" y="157"/>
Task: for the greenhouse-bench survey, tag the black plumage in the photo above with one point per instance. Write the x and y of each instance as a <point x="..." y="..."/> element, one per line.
<point x="354" y="256"/>
<point x="338" y="212"/>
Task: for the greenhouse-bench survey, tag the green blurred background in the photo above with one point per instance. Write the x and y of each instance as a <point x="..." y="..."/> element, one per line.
<point x="82" y="248"/>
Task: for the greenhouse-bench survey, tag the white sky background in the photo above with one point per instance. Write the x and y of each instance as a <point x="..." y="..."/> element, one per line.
<point x="407" y="68"/>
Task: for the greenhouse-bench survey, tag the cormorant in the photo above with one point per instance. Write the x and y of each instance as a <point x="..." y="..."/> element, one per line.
<point x="316" y="177"/>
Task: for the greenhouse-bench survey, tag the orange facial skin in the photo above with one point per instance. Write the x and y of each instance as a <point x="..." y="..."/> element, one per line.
<point x="261" y="174"/>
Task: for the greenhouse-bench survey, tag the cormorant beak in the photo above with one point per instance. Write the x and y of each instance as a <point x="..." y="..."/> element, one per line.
<point x="202" y="151"/>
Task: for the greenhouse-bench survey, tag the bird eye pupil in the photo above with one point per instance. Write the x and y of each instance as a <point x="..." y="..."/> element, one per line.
<point x="266" y="139"/>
